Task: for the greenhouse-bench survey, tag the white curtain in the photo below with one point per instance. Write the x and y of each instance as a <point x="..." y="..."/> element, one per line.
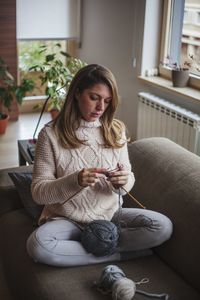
<point x="48" y="19"/>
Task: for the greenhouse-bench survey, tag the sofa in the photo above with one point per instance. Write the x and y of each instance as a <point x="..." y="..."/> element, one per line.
<point x="168" y="181"/>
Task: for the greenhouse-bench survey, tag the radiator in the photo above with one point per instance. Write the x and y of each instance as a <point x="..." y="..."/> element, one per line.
<point x="159" y="117"/>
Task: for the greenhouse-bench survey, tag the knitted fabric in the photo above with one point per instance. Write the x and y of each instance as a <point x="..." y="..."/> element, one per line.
<point x="55" y="177"/>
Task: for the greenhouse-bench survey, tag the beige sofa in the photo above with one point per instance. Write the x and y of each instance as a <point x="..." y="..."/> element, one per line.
<point x="168" y="181"/>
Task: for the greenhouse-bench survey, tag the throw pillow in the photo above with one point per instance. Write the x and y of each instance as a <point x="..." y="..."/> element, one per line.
<point x="22" y="182"/>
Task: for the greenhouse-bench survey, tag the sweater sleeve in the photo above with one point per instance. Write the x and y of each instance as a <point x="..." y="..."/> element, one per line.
<point x="46" y="188"/>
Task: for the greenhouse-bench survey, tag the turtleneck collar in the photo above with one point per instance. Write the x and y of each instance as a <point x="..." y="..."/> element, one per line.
<point x="87" y="124"/>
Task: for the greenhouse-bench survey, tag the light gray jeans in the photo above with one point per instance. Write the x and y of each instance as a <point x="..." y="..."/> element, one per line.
<point x="57" y="242"/>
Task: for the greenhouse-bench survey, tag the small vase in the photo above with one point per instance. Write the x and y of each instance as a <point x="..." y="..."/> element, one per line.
<point x="54" y="113"/>
<point x="3" y="124"/>
<point x="180" y="77"/>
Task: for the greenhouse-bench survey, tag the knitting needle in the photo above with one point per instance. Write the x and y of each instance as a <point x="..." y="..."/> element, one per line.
<point x="117" y="169"/>
<point x="133" y="198"/>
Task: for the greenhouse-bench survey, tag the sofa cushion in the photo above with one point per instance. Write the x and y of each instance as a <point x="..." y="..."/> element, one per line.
<point x="22" y="182"/>
<point x="9" y="198"/>
<point x="31" y="280"/>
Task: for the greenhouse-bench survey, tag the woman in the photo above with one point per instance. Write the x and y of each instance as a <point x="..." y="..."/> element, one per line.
<point x="73" y="156"/>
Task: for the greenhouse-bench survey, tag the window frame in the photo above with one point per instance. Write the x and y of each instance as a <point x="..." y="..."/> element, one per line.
<point x="165" y="72"/>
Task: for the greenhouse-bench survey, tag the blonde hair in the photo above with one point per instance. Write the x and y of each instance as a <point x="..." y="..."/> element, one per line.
<point x="69" y="118"/>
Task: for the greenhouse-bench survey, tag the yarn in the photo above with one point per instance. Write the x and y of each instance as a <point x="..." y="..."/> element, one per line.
<point x="160" y="296"/>
<point x="113" y="280"/>
<point x="109" y="275"/>
<point x="123" y="289"/>
<point x="100" y="237"/>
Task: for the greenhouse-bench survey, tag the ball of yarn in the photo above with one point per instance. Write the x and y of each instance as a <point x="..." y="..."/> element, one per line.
<point x="100" y="237"/>
<point x="113" y="280"/>
<point x="123" y="289"/>
<point x="109" y="275"/>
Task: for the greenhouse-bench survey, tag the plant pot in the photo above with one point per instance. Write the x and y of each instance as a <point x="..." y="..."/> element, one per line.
<point x="54" y="113"/>
<point x="3" y="123"/>
<point x="180" y="77"/>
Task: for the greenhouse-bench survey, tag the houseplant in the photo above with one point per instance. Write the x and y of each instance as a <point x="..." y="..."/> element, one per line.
<point x="180" y="71"/>
<point x="10" y="91"/>
<point x="57" y="71"/>
<point x="28" y="56"/>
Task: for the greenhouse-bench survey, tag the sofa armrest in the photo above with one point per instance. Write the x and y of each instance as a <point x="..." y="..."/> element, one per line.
<point x="9" y="198"/>
<point x="168" y="181"/>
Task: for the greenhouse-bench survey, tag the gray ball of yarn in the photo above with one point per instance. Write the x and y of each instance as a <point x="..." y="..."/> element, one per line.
<point x="100" y="237"/>
<point x="113" y="280"/>
<point x="109" y="275"/>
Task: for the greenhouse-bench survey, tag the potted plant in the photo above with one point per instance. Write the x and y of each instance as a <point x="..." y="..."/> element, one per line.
<point x="180" y="71"/>
<point x="9" y="91"/>
<point x="57" y="72"/>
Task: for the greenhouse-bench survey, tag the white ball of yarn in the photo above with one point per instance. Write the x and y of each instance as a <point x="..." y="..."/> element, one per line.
<point x="123" y="289"/>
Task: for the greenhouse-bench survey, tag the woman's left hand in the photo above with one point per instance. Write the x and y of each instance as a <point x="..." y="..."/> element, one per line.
<point x="118" y="178"/>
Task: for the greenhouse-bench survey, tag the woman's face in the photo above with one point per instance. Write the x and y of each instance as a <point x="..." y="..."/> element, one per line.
<point x="93" y="102"/>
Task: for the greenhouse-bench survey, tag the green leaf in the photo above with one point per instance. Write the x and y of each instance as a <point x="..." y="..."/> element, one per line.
<point x="65" y="54"/>
<point x="34" y="68"/>
<point x="50" y="57"/>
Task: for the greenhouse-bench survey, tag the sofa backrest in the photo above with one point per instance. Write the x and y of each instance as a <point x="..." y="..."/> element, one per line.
<point x="168" y="181"/>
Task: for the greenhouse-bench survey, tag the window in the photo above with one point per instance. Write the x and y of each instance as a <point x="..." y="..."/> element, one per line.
<point x="29" y="55"/>
<point x="181" y="36"/>
<point x="44" y="22"/>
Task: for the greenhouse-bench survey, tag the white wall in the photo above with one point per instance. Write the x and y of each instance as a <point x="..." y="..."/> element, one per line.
<point x="108" y="39"/>
<point x="114" y="33"/>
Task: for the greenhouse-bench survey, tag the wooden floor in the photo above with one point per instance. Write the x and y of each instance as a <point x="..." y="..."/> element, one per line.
<point x="22" y="129"/>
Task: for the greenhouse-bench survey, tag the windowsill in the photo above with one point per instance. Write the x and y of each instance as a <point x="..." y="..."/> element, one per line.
<point x="166" y="84"/>
<point x="33" y="98"/>
<point x="30" y="103"/>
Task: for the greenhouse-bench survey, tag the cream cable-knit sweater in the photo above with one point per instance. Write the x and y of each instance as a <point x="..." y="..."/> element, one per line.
<point x="55" y="177"/>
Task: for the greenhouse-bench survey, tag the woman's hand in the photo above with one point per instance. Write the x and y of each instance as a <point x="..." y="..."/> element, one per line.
<point x="89" y="177"/>
<point x="118" y="178"/>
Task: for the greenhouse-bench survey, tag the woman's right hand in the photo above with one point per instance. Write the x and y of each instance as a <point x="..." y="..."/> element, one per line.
<point x="89" y="177"/>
